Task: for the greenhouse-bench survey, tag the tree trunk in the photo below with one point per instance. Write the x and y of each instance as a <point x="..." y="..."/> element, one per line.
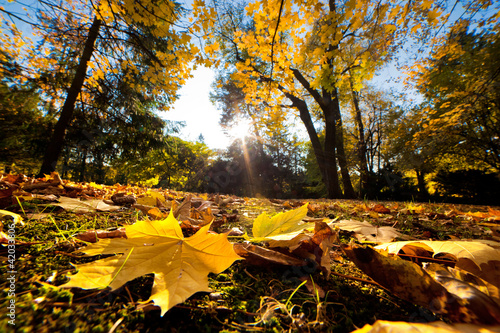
<point x="83" y="165"/>
<point x="363" y="164"/>
<point x="330" y="147"/>
<point x="341" y="156"/>
<point x="325" y="157"/>
<point x="423" y="194"/>
<point x="56" y="142"/>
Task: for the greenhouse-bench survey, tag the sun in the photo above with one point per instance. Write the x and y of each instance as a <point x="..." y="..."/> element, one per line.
<point x="240" y="130"/>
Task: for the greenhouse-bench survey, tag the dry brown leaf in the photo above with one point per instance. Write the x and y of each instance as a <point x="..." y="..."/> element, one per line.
<point x="91" y="236"/>
<point x="182" y="211"/>
<point x="365" y="231"/>
<point x="479" y="257"/>
<point x="259" y="256"/>
<point x="409" y="281"/>
<point x="84" y="206"/>
<point x="380" y="209"/>
<point x="467" y="286"/>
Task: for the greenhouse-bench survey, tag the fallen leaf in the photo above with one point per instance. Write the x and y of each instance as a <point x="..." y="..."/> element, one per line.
<point x="481" y="295"/>
<point x="180" y="265"/>
<point x="182" y="211"/>
<point x="296" y="238"/>
<point x="280" y="225"/>
<point x="84" y="206"/>
<point x="409" y="281"/>
<point x="365" y="231"/>
<point x="260" y="256"/>
<point x="151" y="198"/>
<point x="380" y="209"/>
<point x="479" y="257"/>
<point x="383" y="326"/>
<point x="123" y="198"/>
<point x="93" y="236"/>
<point x="318" y="246"/>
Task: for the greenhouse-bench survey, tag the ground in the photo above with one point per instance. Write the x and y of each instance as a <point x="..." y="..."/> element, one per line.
<point x="245" y="297"/>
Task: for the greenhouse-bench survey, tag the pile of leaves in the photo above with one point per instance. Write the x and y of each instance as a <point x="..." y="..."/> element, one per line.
<point x="294" y="265"/>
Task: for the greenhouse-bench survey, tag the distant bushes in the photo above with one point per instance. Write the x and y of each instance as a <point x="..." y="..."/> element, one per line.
<point x="469" y="186"/>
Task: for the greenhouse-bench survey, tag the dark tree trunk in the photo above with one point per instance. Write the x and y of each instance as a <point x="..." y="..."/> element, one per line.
<point x="83" y="165"/>
<point x="341" y="156"/>
<point x="422" y="189"/>
<point x="56" y="142"/>
<point x="325" y="157"/>
<point x="363" y="164"/>
<point x="330" y="147"/>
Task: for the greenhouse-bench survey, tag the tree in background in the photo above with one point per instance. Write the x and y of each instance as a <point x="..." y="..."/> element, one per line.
<point x="460" y="83"/>
<point x="309" y="54"/>
<point x="24" y="128"/>
<point x="136" y="36"/>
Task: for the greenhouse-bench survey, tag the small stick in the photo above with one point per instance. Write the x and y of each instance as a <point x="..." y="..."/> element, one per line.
<point x="359" y="279"/>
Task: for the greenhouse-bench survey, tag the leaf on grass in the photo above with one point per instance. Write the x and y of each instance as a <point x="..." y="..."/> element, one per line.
<point x="384" y="326"/>
<point x="479" y="257"/>
<point x="152" y="198"/>
<point x="477" y="293"/>
<point x="182" y="211"/>
<point x="281" y="226"/>
<point x="293" y="243"/>
<point x="78" y="206"/>
<point x="180" y="265"/>
<point x="380" y="209"/>
<point x="7" y="216"/>
<point x="259" y="256"/>
<point x="409" y="281"/>
<point x="93" y="236"/>
<point x="397" y="275"/>
<point x="365" y="231"/>
<point x="319" y="246"/>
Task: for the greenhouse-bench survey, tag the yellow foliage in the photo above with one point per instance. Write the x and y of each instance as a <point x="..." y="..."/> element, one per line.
<point x="180" y="265"/>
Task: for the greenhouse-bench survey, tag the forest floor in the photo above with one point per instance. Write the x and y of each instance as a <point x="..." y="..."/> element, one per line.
<point x="263" y="296"/>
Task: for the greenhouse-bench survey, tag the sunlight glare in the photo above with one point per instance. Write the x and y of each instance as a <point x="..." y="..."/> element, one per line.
<point x="240" y="130"/>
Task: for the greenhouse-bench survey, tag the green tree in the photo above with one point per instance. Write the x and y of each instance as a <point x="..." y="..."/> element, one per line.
<point x="460" y="84"/>
<point x="109" y="36"/>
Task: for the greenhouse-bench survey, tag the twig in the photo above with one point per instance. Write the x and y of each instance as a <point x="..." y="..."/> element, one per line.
<point x="359" y="279"/>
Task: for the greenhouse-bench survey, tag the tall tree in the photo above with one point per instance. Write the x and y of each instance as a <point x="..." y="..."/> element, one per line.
<point x="140" y="36"/>
<point x="460" y="83"/>
<point x="302" y="52"/>
<point x="56" y="142"/>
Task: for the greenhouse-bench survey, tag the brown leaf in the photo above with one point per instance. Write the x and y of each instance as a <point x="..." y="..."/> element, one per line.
<point x="365" y="231"/>
<point x="480" y="257"/>
<point x="259" y="256"/>
<point x="381" y="209"/>
<point x="486" y="303"/>
<point x="410" y="282"/>
<point x="92" y="236"/>
<point x="123" y="198"/>
<point x="182" y="211"/>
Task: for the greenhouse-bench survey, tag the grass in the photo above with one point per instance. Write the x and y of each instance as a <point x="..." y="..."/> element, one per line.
<point x="245" y="298"/>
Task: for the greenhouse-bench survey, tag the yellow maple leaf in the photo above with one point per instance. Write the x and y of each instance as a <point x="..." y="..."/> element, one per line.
<point x="180" y="265"/>
<point x="281" y="226"/>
